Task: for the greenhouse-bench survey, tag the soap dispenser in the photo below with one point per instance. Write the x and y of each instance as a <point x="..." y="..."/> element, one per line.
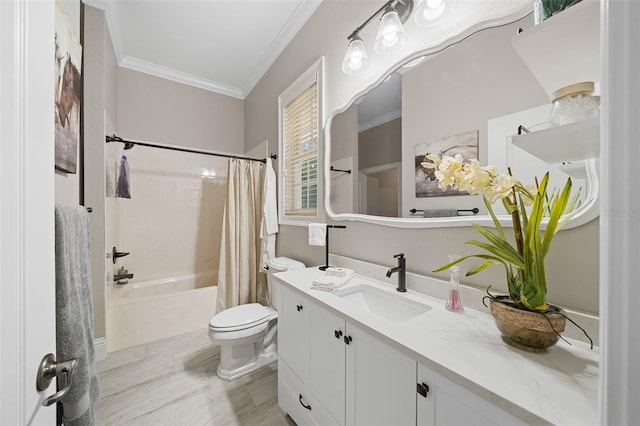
<point x="454" y="303"/>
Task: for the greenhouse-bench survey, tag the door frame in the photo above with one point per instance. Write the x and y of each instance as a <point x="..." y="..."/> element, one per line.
<point x="27" y="265"/>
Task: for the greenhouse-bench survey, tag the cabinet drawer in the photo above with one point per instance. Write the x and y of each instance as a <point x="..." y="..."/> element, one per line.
<point x="292" y="394"/>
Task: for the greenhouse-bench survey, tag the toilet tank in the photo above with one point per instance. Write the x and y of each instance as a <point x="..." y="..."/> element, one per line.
<point x="279" y="264"/>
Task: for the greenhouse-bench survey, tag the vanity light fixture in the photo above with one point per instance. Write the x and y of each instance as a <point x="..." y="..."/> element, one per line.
<point x="430" y="11"/>
<point x="391" y="35"/>
<point x="356" y="59"/>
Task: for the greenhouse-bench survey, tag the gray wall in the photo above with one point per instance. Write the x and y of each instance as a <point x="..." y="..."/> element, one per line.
<point x="159" y="110"/>
<point x="380" y="145"/>
<point x="100" y="101"/>
<point x="458" y="91"/>
<point x="572" y="265"/>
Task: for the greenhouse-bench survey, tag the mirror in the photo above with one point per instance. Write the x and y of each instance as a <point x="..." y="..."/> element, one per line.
<point x="468" y="95"/>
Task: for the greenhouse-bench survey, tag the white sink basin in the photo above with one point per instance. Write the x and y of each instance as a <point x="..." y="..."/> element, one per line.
<point x="390" y="306"/>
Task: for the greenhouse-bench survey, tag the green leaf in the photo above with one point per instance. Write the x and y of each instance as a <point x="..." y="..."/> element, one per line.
<point x="557" y="209"/>
<point x="510" y="253"/>
<point x="481" y="267"/>
<point x="496" y="222"/>
<point x="450" y="264"/>
<point x="506" y="256"/>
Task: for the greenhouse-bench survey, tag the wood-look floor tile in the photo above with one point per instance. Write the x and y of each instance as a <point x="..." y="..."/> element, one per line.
<point x="121" y="358"/>
<point x="135" y="374"/>
<point x="175" y="384"/>
<point x="179" y="343"/>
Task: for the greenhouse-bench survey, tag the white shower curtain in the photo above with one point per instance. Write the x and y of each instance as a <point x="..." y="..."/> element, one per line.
<point x="238" y="271"/>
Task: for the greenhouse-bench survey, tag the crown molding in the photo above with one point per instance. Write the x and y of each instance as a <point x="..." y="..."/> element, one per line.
<point x="156" y="70"/>
<point x="295" y="22"/>
<point x="380" y="120"/>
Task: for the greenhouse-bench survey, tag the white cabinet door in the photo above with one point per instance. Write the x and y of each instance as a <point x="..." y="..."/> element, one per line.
<point x="381" y="382"/>
<point x="450" y="404"/>
<point x="293" y="331"/>
<point x="327" y="360"/>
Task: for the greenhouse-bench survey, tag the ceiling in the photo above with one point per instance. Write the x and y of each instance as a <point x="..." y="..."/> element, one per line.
<point x="224" y="46"/>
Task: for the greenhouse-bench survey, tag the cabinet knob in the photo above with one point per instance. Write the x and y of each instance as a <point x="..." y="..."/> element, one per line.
<point x="338" y="333"/>
<point x="299" y="307"/>
<point x="347" y="339"/>
<point x="423" y="389"/>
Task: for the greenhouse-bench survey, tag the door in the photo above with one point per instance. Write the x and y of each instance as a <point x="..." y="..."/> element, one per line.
<point x="327" y="360"/>
<point x="27" y="299"/>
<point x="293" y="331"/>
<point x="381" y="382"/>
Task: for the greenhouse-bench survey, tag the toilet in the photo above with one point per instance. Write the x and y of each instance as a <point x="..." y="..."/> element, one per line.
<point x="247" y="333"/>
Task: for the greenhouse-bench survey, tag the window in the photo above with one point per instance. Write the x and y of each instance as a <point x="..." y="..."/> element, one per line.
<point x="299" y="148"/>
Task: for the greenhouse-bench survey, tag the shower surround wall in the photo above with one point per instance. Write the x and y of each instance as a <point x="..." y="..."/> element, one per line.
<point x="171" y="227"/>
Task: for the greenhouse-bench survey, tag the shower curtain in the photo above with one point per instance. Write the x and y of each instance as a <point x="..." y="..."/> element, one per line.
<point x="239" y="268"/>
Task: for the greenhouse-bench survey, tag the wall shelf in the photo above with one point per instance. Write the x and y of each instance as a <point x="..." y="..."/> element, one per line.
<point x="565" y="48"/>
<point x="571" y="142"/>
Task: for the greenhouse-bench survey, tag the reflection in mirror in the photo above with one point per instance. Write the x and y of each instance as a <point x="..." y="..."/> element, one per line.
<point x="477" y="88"/>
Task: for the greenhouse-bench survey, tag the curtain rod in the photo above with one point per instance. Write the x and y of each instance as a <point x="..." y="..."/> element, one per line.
<point x="130" y="144"/>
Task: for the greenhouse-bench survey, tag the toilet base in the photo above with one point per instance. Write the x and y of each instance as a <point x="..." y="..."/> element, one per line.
<point x="261" y="360"/>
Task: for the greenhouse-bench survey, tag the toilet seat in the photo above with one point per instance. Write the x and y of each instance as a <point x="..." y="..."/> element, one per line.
<point x="241" y="317"/>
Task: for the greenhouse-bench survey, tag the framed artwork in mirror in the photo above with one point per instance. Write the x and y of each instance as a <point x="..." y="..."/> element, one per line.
<point x="68" y="93"/>
<point x="465" y="144"/>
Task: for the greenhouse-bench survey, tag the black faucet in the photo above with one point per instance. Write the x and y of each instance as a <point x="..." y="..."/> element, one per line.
<point x="401" y="270"/>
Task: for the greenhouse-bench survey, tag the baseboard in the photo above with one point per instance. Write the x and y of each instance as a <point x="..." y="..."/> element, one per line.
<point x="100" y="348"/>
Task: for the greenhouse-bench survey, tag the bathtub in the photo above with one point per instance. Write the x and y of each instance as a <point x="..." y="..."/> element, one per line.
<point x="144" y="311"/>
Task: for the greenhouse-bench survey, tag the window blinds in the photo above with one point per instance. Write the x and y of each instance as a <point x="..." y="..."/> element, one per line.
<point x="300" y="153"/>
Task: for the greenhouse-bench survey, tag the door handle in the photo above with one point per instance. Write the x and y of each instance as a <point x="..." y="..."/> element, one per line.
<point x="423" y="389"/>
<point x="49" y="369"/>
<point x="307" y="406"/>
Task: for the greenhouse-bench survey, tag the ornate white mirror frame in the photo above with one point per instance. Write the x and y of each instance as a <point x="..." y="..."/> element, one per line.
<point x="589" y="209"/>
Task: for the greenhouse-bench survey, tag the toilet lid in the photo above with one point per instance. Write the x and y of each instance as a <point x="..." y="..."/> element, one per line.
<point x="240" y="317"/>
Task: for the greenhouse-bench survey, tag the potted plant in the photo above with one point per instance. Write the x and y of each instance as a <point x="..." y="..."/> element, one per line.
<point x="524" y="317"/>
<point x="544" y="9"/>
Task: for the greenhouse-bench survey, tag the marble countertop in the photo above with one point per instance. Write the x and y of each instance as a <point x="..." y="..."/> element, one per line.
<point x="560" y="387"/>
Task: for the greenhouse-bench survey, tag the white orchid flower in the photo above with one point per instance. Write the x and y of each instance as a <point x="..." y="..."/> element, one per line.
<point x="500" y="188"/>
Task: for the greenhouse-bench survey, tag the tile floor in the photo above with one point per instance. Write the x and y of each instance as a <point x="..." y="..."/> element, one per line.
<point x="173" y="382"/>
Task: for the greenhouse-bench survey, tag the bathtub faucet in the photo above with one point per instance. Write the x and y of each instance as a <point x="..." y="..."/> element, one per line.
<point x="118" y="277"/>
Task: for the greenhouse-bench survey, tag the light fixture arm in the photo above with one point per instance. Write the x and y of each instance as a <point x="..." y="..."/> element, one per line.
<point x="390" y="3"/>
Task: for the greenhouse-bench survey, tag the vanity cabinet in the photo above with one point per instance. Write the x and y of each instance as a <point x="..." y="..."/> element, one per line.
<point x="441" y="402"/>
<point x="358" y="379"/>
<point x="294" y="395"/>
<point x="334" y="372"/>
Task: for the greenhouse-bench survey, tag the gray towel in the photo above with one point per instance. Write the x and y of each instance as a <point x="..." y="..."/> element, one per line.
<point x="440" y="212"/>
<point x="123" y="190"/>
<point x="74" y="313"/>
